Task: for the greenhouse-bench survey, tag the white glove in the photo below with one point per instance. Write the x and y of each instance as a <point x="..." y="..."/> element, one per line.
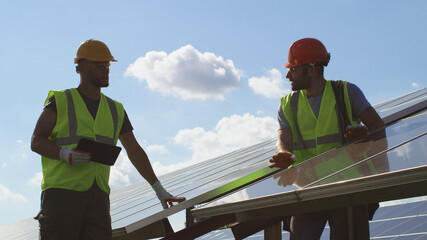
<point x="73" y="157"/>
<point x="163" y="195"/>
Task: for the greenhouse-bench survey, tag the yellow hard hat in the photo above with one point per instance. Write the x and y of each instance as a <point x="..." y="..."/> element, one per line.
<point x="93" y="50"/>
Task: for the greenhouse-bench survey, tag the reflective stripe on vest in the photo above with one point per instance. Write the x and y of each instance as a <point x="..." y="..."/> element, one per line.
<point x="73" y="123"/>
<point x="300" y="144"/>
<point x="314" y="144"/>
<point x="319" y="134"/>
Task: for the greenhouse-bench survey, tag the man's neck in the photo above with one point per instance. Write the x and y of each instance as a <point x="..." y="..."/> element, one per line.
<point x="316" y="88"/>
<point x="90" y="91"/>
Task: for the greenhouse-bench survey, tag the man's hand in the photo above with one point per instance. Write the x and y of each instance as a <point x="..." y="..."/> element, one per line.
<point x="73" y="156"/>
<point x="282" y="160"/>
<point x="165" y="198"/>
<point x="355" y="132"/>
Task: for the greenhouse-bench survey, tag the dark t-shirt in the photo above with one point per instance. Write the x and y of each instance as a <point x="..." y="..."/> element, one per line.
<point x="92" y="106"/>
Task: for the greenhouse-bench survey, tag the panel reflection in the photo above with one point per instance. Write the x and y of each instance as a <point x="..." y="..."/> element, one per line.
<point x="399" y="146"/>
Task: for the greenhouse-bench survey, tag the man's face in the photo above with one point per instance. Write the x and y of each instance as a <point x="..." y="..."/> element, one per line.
<point x="97" y="73"/>
<point x="299" y="77"/>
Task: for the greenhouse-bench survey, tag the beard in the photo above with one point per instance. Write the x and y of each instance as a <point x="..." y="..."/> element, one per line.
<point x="99" y="81"/>
<point x="302" y="82"/>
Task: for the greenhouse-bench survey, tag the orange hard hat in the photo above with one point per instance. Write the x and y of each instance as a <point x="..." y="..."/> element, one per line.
<point x="306" y="51"/>
<point x="94" y="50"/>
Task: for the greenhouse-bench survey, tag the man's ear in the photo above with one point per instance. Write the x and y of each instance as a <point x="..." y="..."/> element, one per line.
<point x="77" y="69"/>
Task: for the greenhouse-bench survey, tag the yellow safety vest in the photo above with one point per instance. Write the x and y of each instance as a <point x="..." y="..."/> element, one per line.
<point x="313" y="136"/>
<point x="73" y="123"/>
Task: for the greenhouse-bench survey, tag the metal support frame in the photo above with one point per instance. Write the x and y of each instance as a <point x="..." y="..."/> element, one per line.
<point x="383" y="187"/>
<point x="200" y="228"/>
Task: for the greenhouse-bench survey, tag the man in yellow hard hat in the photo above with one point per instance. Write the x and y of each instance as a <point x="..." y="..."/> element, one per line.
<point x="311" y="123"/>
<point x="75" y="191"/>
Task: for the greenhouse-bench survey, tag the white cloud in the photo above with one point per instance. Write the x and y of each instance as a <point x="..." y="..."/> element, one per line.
<point x="186" y="73"/>
<point x="36" y="180"/>
<point x="118" y="179"/>
<point x="160" y="149"/>
<point x="122" y="173"/>
<point x="260" y="112"/>
<point x="23" y="150"/>
<point x="404" y="151"/>
<point x="7" y="195"/>
<point x="229" y="134"/>
<point x="271" y="86"/>
<point x="415" y="85"/>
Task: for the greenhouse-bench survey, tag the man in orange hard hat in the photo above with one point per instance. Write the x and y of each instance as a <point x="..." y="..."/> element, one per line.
<point x="75" y="192"/>
<point x="309" y="122"/>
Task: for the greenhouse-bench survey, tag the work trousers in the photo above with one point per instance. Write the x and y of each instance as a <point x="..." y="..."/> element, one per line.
<point x="73" y="215"/>
<point x="309" y="226"/>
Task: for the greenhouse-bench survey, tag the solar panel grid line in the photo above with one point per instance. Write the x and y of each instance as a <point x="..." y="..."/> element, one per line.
<point x="227" y="160"/>
<point x="230" y="163"/>
<point x="137" y="211"/>
<point x="119" y="208"/>
<point x="382" y="212"/>
<point x="118" y="219"/>
<point x="149" y="206"/>
<point x="377" y="224"/>
<point x="181" y="172"/>
<point x="399" y="114"/>
<point x="417" y="225"/>
<point x="134" y="193"/>
<point x="401" y="102"/>
<point x="233" y="164"/>
<point x="415" y="93"/>
<point x="415" y="236"/>
<point x="364" y="160"/>
<point x="410" y="101"/>
<point x="407" y="106"/>
<point x="398" y="210"/>
<point x="124" y="196"/>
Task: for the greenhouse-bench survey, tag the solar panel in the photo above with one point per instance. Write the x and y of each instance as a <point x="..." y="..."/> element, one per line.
<point x="136" y="207"/>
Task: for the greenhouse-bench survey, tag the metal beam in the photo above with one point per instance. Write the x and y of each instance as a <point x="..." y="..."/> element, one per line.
<point x="382" y="187"/>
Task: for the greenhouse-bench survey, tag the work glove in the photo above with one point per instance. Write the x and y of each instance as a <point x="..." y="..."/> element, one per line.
<point x="282" y="160"/>
<point x="355" y="132"/>
<point x="73" y="156"/>
<point x="165" y="198"/>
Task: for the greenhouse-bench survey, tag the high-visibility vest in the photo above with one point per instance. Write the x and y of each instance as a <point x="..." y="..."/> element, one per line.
<point x="73" y="123"/>
<point x="315" y="135"/>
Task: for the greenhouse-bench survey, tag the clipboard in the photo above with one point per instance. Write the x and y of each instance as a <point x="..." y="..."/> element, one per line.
<point x="100" y="152"/>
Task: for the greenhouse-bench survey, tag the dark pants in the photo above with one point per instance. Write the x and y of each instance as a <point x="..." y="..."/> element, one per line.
<point x="309" y="226"/>
<point x="73" y="215"/>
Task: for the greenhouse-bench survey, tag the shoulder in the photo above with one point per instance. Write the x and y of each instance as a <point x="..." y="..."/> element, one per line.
<point x="354" y="92"/>
<point x="288" y="97"/>
<point x="117" y="103"/>
<point x="52" y="95"/>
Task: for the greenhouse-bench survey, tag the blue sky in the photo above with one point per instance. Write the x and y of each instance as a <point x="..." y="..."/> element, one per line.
<point x="197" y="78"/>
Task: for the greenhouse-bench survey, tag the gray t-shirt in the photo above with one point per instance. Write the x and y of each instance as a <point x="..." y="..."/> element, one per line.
<point x="358" y="103"/>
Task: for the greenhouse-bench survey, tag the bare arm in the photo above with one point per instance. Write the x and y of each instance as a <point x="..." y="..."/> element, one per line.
<point x="371" y="119"/>
<point x="284" y="140"/>
<point x="138" y="157"/>
<point x="40" y="142"/>
<point x="140" y="160"/>
<point x="283" y="157"/>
